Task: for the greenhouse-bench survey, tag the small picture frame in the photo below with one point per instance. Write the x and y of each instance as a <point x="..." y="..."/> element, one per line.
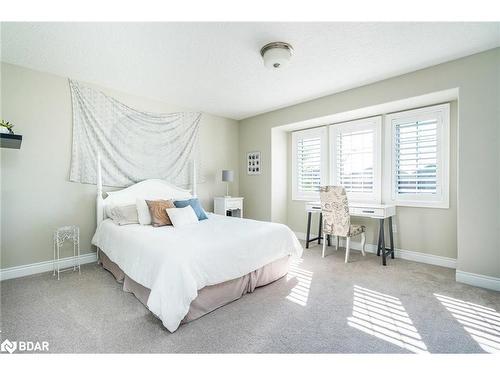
<point x="254" y="165"/>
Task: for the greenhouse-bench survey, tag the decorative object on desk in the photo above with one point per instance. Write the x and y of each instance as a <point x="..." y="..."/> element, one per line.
<point x="133" y="145"/>
<point x="71" y="233"/>
<point x="7" y="137"/>
<point x="227" y="176"/>
<point x="336" y="218"/>
<point x="254" y="164"/>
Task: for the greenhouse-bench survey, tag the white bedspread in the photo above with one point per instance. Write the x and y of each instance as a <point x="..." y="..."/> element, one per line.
<point x="177" y="262"/>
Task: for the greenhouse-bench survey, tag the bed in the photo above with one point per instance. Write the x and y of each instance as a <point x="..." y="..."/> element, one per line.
<point x="182" y="273"/>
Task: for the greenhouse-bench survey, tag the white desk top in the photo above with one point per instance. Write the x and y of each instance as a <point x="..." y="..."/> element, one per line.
<point x="357" y="204"/>
<point x="373" y="210"/>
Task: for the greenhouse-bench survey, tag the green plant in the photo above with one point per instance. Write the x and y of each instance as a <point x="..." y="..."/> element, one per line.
<point x="7" y="125"/>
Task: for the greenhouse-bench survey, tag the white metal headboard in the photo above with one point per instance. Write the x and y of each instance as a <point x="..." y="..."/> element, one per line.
<point x="144" y="189"/>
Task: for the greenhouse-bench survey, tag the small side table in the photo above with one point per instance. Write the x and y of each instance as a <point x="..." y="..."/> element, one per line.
<point x="228" y="206"/>
<point x="70" y="233"/>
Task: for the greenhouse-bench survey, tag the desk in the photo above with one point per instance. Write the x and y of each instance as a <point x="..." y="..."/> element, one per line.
<point x="371" y="210"/>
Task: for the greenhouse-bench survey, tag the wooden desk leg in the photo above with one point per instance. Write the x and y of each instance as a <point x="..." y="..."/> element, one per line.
<point x="382" y="242"/>
<point x="391" y="237"/>
<point x="308" y="233"/>
<point x="320" y="229"/>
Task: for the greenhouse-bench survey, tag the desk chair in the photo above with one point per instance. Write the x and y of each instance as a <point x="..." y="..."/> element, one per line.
<point x="336" y="218"/>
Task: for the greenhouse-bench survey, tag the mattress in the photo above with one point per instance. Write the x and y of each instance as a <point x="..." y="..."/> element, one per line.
<point x="210" y="297"/>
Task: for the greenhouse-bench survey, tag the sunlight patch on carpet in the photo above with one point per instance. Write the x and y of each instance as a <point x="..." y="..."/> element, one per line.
<point x="384" y="317"/>
<point x="482" y="323"/>
<point x="300" y="292"/>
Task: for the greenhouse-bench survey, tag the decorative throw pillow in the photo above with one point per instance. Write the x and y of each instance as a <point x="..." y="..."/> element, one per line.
<point x="195" y="204"/>
<point x="123" y="215"/>
<point x="158" y="212"/>
<point x="143" y="211"/>
<point x="182" y="216"/>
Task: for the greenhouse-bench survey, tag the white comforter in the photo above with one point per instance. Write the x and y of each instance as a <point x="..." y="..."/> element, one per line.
<point x="177" y="262"/>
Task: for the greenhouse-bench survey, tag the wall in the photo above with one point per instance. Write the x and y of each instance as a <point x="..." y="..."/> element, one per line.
<point x="279" y="177"/>
<point x="478" y="218"/>
<point x="36" y="194"/>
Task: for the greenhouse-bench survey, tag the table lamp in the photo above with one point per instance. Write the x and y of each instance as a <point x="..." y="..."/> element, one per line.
<point x="227" y="176"/>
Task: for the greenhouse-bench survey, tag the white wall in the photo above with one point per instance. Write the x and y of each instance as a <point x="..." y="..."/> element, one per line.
<point x="36" y="194"/>
<point x="477" y="78"/>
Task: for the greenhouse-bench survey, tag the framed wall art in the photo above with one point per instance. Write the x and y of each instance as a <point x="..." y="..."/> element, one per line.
<point x="254" y="163"/>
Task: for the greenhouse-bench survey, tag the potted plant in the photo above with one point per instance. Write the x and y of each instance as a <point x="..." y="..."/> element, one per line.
<point x="6" y="127"/>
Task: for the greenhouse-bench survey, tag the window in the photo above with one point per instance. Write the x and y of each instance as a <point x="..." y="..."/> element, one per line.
<point x="356" y="158"/>
<point x="308" y="163"/>
<point x="418" y="144"/>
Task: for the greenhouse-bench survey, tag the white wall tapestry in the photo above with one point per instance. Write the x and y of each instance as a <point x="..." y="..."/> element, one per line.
<point x="133" y="145"/>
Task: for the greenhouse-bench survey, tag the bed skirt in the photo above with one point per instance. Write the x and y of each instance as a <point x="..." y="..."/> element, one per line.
<point x="210" y="297"/>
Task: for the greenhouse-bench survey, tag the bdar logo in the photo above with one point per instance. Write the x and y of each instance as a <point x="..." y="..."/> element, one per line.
<point x="8" y="346"/>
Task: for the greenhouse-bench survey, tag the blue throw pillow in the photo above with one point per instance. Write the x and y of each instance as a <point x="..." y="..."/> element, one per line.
<point x="195" y="203"/>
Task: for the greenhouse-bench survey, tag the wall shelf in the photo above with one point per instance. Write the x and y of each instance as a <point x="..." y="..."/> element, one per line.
<point x="8" y="140"/>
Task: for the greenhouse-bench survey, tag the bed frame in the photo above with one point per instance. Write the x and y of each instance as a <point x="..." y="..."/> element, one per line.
<point x="150" y="187"/>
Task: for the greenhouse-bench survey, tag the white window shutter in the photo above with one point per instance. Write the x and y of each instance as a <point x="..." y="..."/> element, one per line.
<point x="308" y="163"/>
<point x="418" y="145"/>
<point x="416" y="154"/>
<point x="355" y="148"/>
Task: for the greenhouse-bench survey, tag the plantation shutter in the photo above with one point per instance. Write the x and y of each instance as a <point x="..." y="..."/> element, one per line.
<point x="416" y="151"/>
<point x="308" y="164"/>
<point x="355" y="160"/>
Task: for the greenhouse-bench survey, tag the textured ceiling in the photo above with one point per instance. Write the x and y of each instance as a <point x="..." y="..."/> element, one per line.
<point x="216" y="67"/>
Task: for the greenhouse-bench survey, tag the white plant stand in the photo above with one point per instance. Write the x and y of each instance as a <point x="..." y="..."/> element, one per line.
<point x="70" y="233"/>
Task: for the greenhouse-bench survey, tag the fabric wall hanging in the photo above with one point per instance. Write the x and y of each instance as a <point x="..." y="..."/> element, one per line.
<point x="133" y="145"/>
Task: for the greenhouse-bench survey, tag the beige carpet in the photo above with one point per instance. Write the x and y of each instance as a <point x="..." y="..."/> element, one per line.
<point x="323" y="306"/>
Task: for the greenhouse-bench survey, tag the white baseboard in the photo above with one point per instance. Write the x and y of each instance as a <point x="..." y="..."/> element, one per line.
<point x="400" y="253"/>
<point x="34" y="268"/>
<point x="475" y="279"/>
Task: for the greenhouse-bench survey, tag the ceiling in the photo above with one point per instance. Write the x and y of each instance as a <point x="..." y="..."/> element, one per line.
<point x="216" y="67"/>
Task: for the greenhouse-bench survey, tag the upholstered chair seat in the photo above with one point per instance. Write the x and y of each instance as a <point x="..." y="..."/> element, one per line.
<point x="336" y="218"/>
<point x="356" y="230"/>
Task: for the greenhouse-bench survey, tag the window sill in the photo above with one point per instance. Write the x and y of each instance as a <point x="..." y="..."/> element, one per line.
<point x="416" y="204"/>
<point x="305" y="199"/>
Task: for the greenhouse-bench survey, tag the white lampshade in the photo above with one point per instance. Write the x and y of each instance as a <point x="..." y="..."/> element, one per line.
<point x="227" y="175"/>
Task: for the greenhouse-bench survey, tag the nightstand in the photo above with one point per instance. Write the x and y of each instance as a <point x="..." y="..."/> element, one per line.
<point x="228" y="206"/>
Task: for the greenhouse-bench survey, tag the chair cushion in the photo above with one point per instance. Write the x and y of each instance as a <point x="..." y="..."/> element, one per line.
<point x="354" y="230"/>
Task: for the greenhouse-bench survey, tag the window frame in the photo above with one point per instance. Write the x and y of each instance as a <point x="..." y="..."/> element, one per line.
<point x="335" y="130"/>
<point x="322" y="133"/>
<point x="441" y="199"/>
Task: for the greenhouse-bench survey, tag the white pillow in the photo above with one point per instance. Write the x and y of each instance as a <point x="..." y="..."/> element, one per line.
<point x="182" y="216"/>
<point x="143" y="211"/>
<point x="123" y="215"/>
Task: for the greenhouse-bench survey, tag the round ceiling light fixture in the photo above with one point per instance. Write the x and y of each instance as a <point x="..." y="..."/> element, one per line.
<point x="276" y="55"/>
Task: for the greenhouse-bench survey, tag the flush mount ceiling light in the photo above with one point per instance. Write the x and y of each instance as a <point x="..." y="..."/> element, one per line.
<point x="276" y="55"/>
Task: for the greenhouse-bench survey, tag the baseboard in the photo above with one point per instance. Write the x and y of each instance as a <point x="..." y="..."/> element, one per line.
<point x="474" y="279"/>
<point x="401" y="253"/>
<point x="34" y="268"/>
